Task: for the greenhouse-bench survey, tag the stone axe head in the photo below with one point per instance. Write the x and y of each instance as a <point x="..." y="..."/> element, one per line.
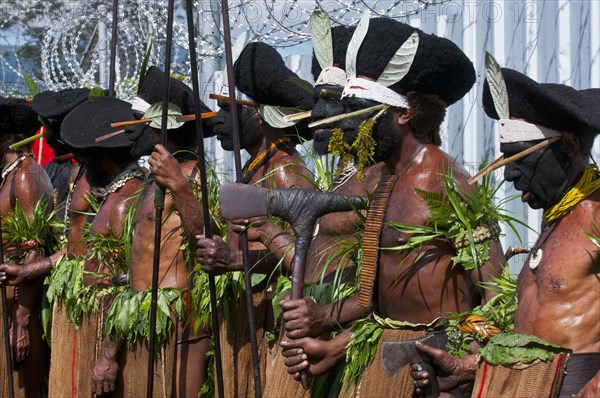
<point x="300" y="207"/>
<point x="396" y="355"/>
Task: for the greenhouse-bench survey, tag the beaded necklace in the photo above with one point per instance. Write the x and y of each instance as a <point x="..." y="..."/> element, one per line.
<point x="11" y="167"/>
<point x="133" y="170"/>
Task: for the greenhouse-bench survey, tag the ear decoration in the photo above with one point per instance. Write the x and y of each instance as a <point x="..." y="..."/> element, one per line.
<point x="498" y="91"/>
<point x="320" y="30"/>
<point x="357" y="39"/>
<point x="401" y="62"/>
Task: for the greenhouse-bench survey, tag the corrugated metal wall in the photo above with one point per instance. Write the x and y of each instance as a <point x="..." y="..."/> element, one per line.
<point x="556" y="41"/>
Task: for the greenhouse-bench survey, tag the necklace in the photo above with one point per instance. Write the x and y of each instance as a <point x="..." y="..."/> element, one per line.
<point x="587" y="185"/>
<point x="11" y="167"/>
<point x="536" y="253"/>
<point x="67" y="219"/>
<point x="251" y="168"/>
<point x="133" y="170"/>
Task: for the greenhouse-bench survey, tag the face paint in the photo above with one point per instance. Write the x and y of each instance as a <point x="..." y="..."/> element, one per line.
<point x="540" y="176"/>
<point x="325" y="107"/>
<point x="95" y="174"/>
<point x="249" y="122"/>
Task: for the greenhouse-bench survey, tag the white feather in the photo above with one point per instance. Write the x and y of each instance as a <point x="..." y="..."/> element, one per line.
<point x="320" y="30"/>
<point x="401" y="62"/>
<point x="355" y="43"/>
<point x="493" y="74"/>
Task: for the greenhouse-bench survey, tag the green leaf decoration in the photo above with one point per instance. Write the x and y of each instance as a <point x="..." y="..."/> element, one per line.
<point x="95" y="93"/>
<point x="401" y="62"/>
<point x="144" y="67"/>
<point x="511" y="349"/>
<point x="320" y="30"/>
<point x="467" y="219"/>
<point x="155" y="113"/>
<point x="178" y="76"/>
<point x="493" y="74"/>
<point x="31" y="85"/>
<point x="274" y="115"/>
<point x="355" y="43"/>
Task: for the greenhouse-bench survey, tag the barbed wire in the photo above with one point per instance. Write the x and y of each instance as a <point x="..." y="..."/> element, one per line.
<point x="75" y="45"/>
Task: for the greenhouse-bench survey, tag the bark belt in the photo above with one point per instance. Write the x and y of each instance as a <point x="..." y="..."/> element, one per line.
<point x="371" y="235"/>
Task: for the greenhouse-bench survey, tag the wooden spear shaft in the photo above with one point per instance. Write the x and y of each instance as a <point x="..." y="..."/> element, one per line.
<point x="113" y="51"/>
<point x="233" y="111"/>
<point x="159" y="203"/>
<point x="8" y="356"/>
<point x="204" y="188"/>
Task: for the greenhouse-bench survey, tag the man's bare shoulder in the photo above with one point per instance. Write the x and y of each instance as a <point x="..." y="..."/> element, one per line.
<point x="189" y="168"/>
<point x="31" y="172"/>
<point x="434" y="164"/>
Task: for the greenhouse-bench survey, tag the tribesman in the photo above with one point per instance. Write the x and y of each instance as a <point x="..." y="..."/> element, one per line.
<point x="183" y="361"/>
<point x="115" y="179"/>
<point x="330" y="266"/>
<point x="558" y="289"/>
<point x="412" y="286"/>
<point x="25" y="190"/>
<point x="273" y="91"/>
<point x="53" y="107"/>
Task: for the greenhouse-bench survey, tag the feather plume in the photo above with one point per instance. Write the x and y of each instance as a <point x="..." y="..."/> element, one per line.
<point x="355" y="43"/>
<point x="320" y="30"/>
<point x="401" y="62"/>
<point x="495" y="79"/>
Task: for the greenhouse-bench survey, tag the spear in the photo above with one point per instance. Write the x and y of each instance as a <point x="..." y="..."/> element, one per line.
<point x="9" y="368"/>
<point x="113" y="51"/>
<point x="159" y="202"/>
<point x="238" y="173"/>
<point x="204" y="188"/>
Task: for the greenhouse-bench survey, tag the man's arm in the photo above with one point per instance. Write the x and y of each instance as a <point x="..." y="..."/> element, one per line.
<point x="168" y="174"/>
<point x="305" y="318"/>
<point x="106" y="369"/>
<point x="315" y="356"/>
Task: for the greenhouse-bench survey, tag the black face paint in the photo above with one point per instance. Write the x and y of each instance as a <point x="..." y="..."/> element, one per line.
<point x="541" y="176"/>
<point x="249" y="120"/>
<point x="95" y="174"/>
<point x="325" y="107"/>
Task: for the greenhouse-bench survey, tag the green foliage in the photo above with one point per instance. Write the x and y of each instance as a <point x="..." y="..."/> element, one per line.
<point x="500" y="310"/>
<point x="31" y="85"/>
<point x="144" y="66"/>
<point x="113" y="251"/>
<point x="128" y="317"/>
<point x="595" y="236"/>
<point x="40" y="232"/>
<point x="323" y="167"/>
<point x="66" y="288"/>
<point x="361" y="350"/>
<point x="95" y="93"/>
<point x="467" y="219"/>
<point x="510" y="349"/>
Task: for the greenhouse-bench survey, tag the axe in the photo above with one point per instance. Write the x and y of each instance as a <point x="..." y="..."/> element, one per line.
<point x="300" y="207"/>
<point x="396" y="355"/>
